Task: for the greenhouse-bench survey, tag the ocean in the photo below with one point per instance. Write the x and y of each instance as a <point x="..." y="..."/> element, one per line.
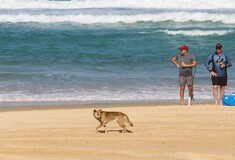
<point x="76" y="52"/>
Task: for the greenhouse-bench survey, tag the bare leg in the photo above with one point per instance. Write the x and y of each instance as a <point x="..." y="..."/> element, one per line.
<point x="222" y="89"/>
<point x="215" y="93"/>
<point x="182" y="88"/>
<point x="190" y="91"/>
<point x="190" y="94"/>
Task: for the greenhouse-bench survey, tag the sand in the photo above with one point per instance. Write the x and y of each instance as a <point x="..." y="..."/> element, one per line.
<point x="169" y="132"/>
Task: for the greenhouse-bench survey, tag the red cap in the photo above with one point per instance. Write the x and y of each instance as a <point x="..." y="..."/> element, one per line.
<point x="184" y="47"/>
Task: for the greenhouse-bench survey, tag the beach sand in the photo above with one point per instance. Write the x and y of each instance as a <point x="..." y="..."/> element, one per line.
<point x="169" y="132"/>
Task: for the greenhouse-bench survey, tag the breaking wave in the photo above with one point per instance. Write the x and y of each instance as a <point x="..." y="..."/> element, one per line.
<point x="90" y="19"/>
<point x="198" y="32"/>
<point x="159" y="4"/>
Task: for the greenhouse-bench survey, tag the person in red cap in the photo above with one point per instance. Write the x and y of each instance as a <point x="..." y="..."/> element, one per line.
<point x="185" y="62"/>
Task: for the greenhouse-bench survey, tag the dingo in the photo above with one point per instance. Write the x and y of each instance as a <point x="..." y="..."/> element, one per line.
<point x="104" y="117"/>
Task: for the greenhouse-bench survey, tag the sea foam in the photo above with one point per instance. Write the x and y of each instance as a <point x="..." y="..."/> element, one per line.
<point x="176" y="4"/>
<point x="91" y="19"/>
<point x="197" y="32"/>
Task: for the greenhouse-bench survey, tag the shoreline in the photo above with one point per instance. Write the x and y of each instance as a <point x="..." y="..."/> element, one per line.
<point x="16" y="106"/>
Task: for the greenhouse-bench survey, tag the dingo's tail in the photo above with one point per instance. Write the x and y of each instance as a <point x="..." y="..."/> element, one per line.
<point x="129" y="122"/>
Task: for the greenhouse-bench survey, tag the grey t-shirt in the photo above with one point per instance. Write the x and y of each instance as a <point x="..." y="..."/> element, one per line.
<point x="187" y="59"/>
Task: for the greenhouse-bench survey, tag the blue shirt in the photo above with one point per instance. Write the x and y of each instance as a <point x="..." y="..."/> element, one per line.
<point x="216" y="61"/>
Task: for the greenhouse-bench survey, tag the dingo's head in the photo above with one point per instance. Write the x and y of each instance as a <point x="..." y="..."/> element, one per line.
<point x="97" y="113"/>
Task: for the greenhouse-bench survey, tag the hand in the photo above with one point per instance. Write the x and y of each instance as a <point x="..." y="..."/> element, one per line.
<point x="183" y="64"/>
<point x="222" y="65"/>
<point x="213" y="74"/>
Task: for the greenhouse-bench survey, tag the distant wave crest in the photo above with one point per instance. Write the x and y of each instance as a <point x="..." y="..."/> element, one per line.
<point x="198" y="32"/>
<point x="68" y="4"/>
<point x="90" y="19"/>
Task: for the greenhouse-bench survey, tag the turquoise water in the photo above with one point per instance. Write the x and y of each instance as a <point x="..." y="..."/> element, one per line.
<point x="85" y="52"/>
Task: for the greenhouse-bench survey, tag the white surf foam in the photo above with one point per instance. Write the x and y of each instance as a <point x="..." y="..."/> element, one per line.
<point x="198" y="32"/>
<point x="97" y="96"/>
<point x="90" y="19"/>
<point x="176" y="4"/>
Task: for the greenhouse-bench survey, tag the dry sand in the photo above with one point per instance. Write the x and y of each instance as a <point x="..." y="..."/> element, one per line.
<point x="170" y="132"/>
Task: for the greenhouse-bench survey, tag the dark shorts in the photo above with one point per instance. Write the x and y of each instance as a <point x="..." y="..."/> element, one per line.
<point x="220" y="81"/>
<point x="185" y="80"/>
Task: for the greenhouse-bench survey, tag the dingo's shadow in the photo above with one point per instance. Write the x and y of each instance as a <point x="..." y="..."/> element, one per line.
<point x="119" y="131"/>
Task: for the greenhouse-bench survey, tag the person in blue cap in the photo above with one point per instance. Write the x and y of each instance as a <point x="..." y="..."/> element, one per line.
<point x="217" y="64"/>
<point x="185" y="62"/>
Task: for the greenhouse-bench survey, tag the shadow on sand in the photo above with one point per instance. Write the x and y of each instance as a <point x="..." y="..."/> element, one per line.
<point x="119" y="131"/>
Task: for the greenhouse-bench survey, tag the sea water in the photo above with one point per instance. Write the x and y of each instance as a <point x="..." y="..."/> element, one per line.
<point x="99" y="51"/>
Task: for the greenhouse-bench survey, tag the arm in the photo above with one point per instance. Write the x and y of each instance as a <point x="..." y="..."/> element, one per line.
<point x="208" y="67"/>
<point x="207" y="63"/>
<point x="173" y="60"/>
<point x="228" y="64"/>
<point x="194" y="64"/>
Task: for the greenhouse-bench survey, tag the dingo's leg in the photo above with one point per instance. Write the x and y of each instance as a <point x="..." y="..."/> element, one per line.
<point x="122" y="125"/>
<point x="101" y="125"/>
<point x="105" y="129"/>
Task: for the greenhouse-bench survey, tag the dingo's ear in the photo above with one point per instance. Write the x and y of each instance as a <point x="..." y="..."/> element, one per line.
<point x="94" y="110"/>
<point x="100" y="109"/>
